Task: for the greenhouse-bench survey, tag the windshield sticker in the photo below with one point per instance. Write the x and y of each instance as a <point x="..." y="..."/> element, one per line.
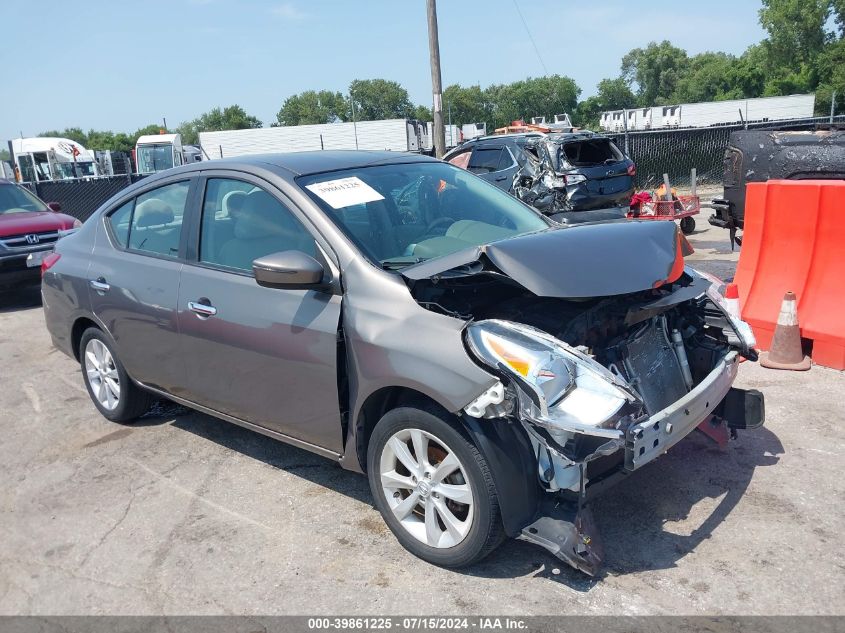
<point x="345" y="192"/>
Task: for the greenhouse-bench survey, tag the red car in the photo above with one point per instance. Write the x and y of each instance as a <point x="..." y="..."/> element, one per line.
<point x="28" y="230"/>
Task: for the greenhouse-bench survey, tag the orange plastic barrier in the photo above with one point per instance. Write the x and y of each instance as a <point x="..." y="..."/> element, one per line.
<point x="794" y="239"/>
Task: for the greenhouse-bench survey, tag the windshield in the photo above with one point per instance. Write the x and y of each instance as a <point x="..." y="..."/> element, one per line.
<point x="153" y="158"/>
<point x="403" y="214"/>
<point x="15" y="199"/>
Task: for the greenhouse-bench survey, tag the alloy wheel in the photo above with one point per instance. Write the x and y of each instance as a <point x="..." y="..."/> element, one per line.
<point x="101" y="374"/>
<point x="426" y="488"/>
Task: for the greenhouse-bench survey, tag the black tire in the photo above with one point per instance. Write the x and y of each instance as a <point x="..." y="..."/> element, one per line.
<point x="486" y="532"/>
<point x="687" y="225"/>
<point x="133" y="401"/>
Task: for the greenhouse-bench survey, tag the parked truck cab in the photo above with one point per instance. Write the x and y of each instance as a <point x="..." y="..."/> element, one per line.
<point x="157" y="152"/>
<point x="43" y="158"/>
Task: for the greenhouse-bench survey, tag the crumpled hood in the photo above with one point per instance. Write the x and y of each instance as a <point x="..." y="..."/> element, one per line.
<point x="587" y="260"/>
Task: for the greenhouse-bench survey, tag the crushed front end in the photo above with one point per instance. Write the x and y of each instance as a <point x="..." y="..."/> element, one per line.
<point x="605" y="351"/>
<point x="609" y="390"/>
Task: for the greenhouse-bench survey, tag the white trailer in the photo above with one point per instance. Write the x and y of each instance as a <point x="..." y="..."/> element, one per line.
<point x="157" y="152"/>
<point x="42" y="158"/>
<point x="398" y="135"/>
<point x="712" y="113"/>
<point x="774" y="108"/>
<point x="472" y="130"/>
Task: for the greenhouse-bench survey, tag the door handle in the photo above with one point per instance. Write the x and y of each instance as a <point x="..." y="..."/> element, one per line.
<point x="99" y="284"/>
<point x="500" y="178"/>
<point x="202" y="309"/>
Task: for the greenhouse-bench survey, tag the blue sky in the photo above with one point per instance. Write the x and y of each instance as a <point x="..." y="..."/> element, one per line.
<point x="115" y="64"/>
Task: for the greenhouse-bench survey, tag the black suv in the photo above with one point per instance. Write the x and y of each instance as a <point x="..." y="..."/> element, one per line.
<point x="556" y="173"/>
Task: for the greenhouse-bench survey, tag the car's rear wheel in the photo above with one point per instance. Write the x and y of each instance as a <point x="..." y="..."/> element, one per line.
<point x="112" y="391"/>
<point x="433" y="488"/>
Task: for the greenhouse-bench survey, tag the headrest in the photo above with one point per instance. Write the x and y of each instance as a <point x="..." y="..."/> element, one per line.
<point x="233" y="201"/>
<point x="153" y="212"/>
<point x="261" y="215"/>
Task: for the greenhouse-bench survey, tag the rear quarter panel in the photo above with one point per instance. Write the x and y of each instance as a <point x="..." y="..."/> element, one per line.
<point x="64" y="288"/>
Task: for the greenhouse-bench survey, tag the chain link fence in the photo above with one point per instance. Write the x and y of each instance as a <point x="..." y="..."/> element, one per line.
<point x="81" y="197"/>
<point x="677" y="151"/>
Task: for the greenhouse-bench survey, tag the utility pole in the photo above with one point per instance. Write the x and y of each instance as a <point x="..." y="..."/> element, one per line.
<point x="436" y="81"/>
<point x="832" y="105"/>
<point x="354" y="123"/>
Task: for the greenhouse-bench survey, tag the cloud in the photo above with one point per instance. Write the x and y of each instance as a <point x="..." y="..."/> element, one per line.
<point x="287" y="11"/>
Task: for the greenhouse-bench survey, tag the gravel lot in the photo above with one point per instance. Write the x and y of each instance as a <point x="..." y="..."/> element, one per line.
<point x="183" y="514"/>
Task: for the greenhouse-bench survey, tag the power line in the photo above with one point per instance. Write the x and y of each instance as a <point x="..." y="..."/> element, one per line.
<point x="533" y="43"/>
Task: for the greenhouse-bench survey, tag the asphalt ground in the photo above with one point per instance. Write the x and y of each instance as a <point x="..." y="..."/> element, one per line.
<point x="180" y="513"/>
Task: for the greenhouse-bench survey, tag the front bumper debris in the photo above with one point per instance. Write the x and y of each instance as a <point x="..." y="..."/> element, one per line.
<point x="569" y="533"/>
<point x="564" y="525"/>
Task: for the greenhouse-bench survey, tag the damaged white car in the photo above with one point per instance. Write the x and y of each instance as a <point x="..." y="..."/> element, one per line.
<point x="487" y="369"/>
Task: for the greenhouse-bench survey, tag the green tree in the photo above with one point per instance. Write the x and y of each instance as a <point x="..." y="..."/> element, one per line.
<point x="312" y="107"/>
<point x="377" y="99"/>
<point x="73" y="133"/>
<point x="796" y="28"/>
<point x="4" y="155"/>
<point x="710" y="77"/>
<point x="540" y="96"/>
<point x="831" y="74"/>
<point x="612" y="94"/>
<point x="466" y="105"/>
<point x="838" y="9"/>
<point x="423" y="113"/>
<point x="232" y="117"/>
<point x="656" y="70"/>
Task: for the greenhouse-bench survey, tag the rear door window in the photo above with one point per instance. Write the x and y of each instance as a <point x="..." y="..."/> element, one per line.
<point x="119" y="221"/>
<point x="157" y="219"/>
<point x="505" y="160"/>
<point x="152" y="222"/>
<point x="484" y="160"/>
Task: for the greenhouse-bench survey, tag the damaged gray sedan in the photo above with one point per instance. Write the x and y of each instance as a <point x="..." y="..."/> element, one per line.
<point x="488" y="370"/>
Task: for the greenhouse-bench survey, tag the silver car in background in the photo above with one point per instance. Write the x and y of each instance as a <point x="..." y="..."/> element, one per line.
<point x="487" y="369"/>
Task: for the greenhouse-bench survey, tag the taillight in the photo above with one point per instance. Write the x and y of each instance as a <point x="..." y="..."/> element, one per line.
<point x="632" y="169"/>
<point x="49" y="261"/>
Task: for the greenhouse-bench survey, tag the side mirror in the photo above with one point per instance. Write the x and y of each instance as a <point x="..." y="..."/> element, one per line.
<point x="54" y="206"/>
<point x="288" y="269"/>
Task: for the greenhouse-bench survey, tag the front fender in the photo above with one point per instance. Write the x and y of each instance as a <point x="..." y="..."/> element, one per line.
<point x="507" y="450"/>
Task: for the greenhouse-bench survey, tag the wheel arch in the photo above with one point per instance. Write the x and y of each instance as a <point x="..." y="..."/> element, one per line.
<point x="502" y="441"/>
<point x="376" y="405"/>
<point x="78" y="328"/>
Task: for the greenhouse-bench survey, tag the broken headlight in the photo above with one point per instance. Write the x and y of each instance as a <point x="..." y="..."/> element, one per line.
<point x="559" y="387"/>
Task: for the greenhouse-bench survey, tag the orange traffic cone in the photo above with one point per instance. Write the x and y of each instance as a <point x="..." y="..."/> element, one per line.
<point x="732" y="299"/>
<point x="785" y="352"/>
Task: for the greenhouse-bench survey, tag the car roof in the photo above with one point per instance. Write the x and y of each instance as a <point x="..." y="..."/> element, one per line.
<point x="562" y="137"/>
<point x="505" y="137"/>
<point x="313" y="162"/>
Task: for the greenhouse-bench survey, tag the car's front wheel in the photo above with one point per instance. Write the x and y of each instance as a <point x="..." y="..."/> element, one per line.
<point x="112" y="391"/>
<point x="433" y="488"/>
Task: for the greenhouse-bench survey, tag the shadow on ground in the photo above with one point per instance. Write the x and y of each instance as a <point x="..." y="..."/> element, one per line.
<point x="20" y="299"/>
<point x="633" y="516"/>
